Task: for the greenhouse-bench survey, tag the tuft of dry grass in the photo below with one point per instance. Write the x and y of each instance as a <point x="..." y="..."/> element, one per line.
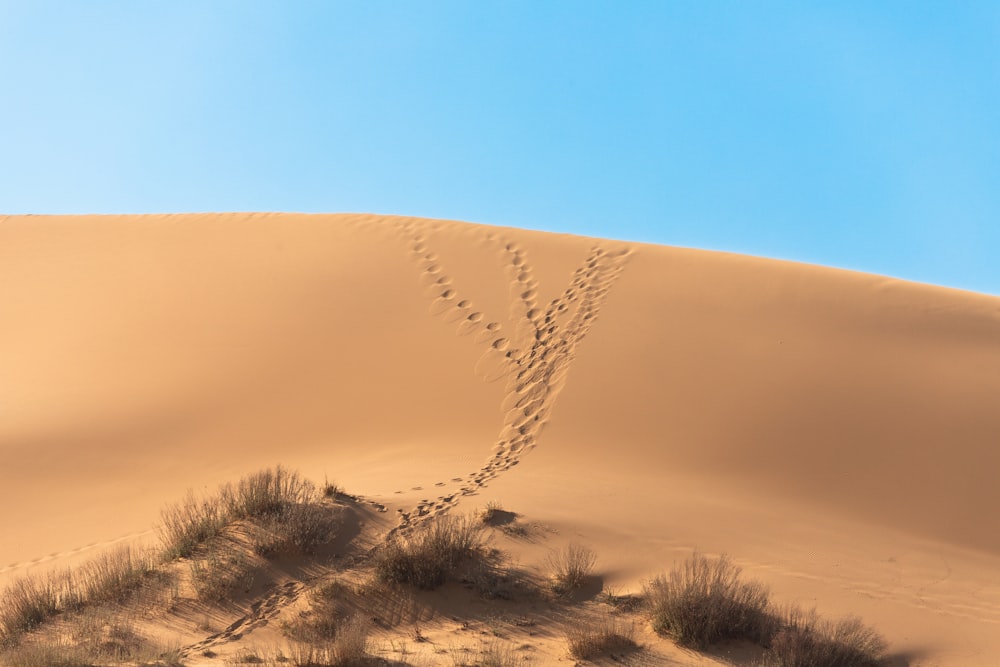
<point x="111" y="578"/>
<point x="492" y="579"/>
<point x="347" y="646"/>
<point x="221" y="570"/>
<point x="431" y="553"/>
<point x="496" y="654"/>
<point x="704" y="601"/>
<point x="187" y="524"/>
<point x="266" y="493"/>
<point x="806" y="640"/>
<point x="26" y="603"/>
<point x="571" y="567"/>
<point x="295" y="529"/>
<point x="97" y="636"/>
<point x="281" y="508"/>
<point x="490" y="513"/>
<point x="331" y="489"/>
<point x="115" y="575"/>
<point x="46" y="655"/>
<point x="599" y="636"/>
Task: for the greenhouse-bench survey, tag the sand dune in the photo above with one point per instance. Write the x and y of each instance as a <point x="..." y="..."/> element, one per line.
<point x="835" y="432"/>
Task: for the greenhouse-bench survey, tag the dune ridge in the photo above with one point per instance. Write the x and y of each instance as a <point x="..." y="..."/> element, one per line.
<point x="835" y="431"/>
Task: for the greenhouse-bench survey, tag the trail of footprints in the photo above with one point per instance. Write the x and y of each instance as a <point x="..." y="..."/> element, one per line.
<point x="534" y="358"/>
<point x="260" y="613"/>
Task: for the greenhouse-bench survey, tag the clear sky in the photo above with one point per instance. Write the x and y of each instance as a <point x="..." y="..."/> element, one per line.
<point x="863" y="135"/>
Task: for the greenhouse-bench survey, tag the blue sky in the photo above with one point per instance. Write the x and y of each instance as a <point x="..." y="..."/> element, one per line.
<point x="863" y="135"/>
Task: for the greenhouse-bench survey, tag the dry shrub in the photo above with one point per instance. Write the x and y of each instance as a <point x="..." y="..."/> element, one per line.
<point x="114" y="576"/>
<point x="571" y="567"/>
<point x="348" y="647"/>
<point x="295" y="529"/>
<point x="280" y="506"/>
<point x="806" y="640"/>
<point x="220" y="571"/>
<point x="99" y="633"/>
<point x="431" y="553"/>
<point x="45" y="655"/>
<point x="26" y="603"/>
<point x="597" y="636"/>
<point x="493" y="580"/>
<point x="266" y="492"/>
<point x="496" y="654"/>
<point x="703" y="601"/>
<point x="490" y="513"/>
<point x="98" y="636"/>
<point x="191" y="522"/>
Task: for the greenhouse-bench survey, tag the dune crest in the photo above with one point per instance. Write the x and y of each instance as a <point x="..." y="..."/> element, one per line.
<point x="835" y="432"/>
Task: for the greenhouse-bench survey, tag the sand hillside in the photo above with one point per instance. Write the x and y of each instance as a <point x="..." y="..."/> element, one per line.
<point x="837" y="433"/>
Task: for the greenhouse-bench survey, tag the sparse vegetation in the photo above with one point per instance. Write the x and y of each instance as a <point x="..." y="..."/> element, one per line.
<point x="280" y="512"/>
<point x="347" y="647"/>
<point x="492" y="579"/>
<point x="426" y="557"/>
<point x="97" y="636"/>
<point x="226" y="537"/>
<point x="221" y="570"/>
<point x="496" y="654"/>
<point x="26" y="604"/>
<point x="806" y="640"/>
<point x="112" y="577"/>
<point x="266" y="493"/>
<point x="186" y="525"/>
<point x="571" y="567"/>
<point x="622" y="603"/>
<point x="280" y="507"/>
<point x="331" y="489"/>
<point x="490" y="513"/>
<point x="599" y="636"/>
<point x="704" y="601"/>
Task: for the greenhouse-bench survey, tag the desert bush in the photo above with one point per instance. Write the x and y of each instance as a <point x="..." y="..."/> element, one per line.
<point x="621" y="602"/>
<point x="571" y="567"/>
<point x="331" y="489"/>
<point x="45" y="655"/>
<point x="112" y="577"/>
<point x="265" y="493"/>
<point x="806" y="640"/>
<point x="351" y="643"/>
<point x="279" y="504"/>
<point x="26" y="603"/>
<point x="295" y="529"/>
<point x="496" y="654"/>
<point x="115" y="575"/>
<point x="489" y="513"/>
<point x="596" y="636"/>
<point x="245" y="656"/>
<point x="493" y="580"/>
<point x="220" y="571"/>
<point x="704" y="601"/>
<point x="348" y="647"/>
<point x="431" y="553"/>
<point x="189" y="523"/>
<point x="100" y="634"/>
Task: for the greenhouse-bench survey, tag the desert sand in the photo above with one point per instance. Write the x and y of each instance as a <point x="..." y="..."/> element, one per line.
<point x="836" y="433"/>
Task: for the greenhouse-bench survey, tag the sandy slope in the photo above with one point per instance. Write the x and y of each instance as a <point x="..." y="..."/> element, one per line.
<point x="837" y="433"/>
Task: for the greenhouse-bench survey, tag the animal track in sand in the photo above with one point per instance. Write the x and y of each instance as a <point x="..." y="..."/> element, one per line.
<point x="260" y="613"/>
<point x="534" y="358"/>
<point x="73" y="552"/>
